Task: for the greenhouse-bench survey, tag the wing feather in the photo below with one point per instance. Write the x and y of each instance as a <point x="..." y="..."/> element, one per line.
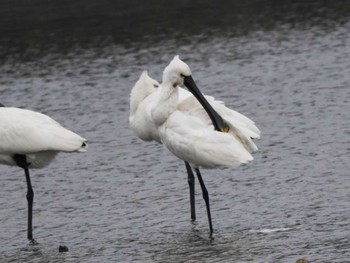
<point x="24" y="131"/>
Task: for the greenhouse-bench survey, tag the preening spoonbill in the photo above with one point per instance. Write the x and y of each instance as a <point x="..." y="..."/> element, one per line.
<point x="203" y="134"/>
<point x="30" y="139"/>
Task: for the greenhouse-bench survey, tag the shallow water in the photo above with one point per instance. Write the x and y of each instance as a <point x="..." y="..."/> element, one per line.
<point x="127" y="200"/>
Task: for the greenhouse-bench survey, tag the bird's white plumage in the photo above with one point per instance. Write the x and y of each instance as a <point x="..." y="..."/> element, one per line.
<point x="173" y="116"/>
<point x="191" y="139"/>
<point x="35" y="135"/>
<point x="142" y="96"/>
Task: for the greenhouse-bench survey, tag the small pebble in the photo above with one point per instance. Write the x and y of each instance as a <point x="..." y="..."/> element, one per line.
<point x="302" y="260"/>
<point x="63" y="249"/>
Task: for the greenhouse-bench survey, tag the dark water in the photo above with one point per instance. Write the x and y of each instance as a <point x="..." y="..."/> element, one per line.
<point x="284" y="65"/>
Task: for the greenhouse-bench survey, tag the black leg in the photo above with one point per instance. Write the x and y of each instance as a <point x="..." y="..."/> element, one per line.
<point x="191" y="181"/>
<point x="22" y="162"/>
<point x="30" y="198"/>
<point x="206" y="199"/>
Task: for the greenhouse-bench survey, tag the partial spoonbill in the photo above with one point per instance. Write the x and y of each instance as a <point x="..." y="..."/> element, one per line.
<point x="142" y="96"/>
<point x="186" y="127"/>
<point x="30" y="139"/>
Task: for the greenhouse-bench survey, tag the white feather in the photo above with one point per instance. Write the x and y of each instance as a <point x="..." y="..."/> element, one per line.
<point x="35" y="135"/>
<point x="142" y="96"/>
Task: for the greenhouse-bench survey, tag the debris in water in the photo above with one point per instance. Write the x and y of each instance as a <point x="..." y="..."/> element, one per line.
<point x="63" y="249"/>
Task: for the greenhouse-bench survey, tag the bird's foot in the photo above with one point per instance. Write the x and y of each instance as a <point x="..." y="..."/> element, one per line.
<point x="33" y="242"/>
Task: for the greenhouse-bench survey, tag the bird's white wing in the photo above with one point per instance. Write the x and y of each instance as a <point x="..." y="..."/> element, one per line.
<point x="191" y="139"/>
<point x="25" y="131"/>
<point x="241" y="127"/>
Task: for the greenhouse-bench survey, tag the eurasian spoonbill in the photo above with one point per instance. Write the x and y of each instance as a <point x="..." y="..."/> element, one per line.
<point x="31" y="139"/>
<point x="188" y="126"/>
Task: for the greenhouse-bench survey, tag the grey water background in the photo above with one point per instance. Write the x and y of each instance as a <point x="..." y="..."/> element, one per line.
<point x="284" y="64"/>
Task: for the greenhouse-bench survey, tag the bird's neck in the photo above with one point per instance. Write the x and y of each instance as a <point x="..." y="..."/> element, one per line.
<point x="137" y="95"/>
<point x="166" y="103"/>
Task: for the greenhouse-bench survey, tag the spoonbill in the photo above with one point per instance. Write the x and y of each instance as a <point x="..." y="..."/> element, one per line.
<point x="142" y="96"/>
<point x="197" y="129"/>
<point x="30" y="139"/>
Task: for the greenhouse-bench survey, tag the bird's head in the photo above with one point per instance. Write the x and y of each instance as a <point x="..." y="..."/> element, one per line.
<point x="142" y="88"/>
<point x="176" y="72"/>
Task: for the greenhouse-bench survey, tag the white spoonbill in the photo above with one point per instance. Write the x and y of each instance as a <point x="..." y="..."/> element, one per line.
<point x="142" y="96"/>
<point x="30" y="139"/>
<point x="187" y="128"/>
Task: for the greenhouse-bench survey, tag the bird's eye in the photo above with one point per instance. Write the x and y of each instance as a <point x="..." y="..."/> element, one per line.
<point x="182" y="75"/>
<point x="155" y="85"/>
